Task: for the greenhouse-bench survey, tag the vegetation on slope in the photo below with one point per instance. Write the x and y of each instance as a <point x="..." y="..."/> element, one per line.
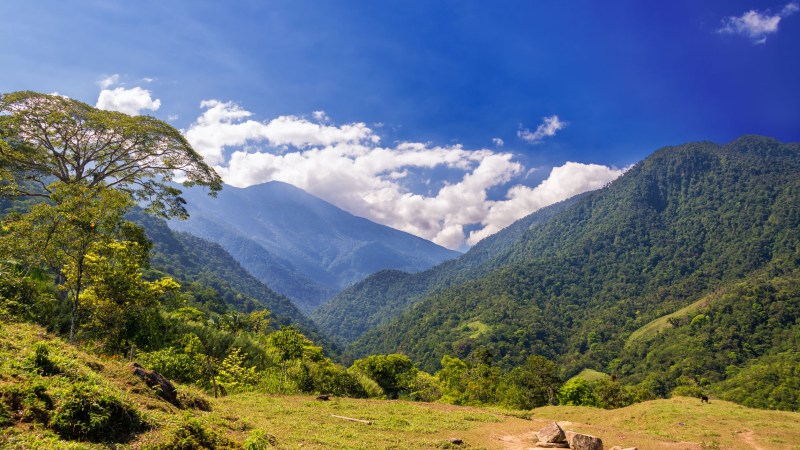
<point x="679" y="225"/>
<point x="387" y="294"/>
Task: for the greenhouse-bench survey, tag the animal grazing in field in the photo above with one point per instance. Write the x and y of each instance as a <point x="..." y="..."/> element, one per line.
<point x="704" y="399"/>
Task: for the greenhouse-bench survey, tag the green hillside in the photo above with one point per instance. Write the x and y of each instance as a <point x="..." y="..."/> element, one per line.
<point x="386" y="294"/>
<point x="204" y="265"/>
<point x="684" y="222"/>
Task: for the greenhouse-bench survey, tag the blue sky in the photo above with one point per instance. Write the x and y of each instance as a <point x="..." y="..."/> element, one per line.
<point x="395" y="110"/>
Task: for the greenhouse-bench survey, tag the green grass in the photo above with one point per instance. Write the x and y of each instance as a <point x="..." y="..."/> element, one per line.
<point x="591" y="375"/>
<point x="478" y="329"/>
<point x="652" y="328"/>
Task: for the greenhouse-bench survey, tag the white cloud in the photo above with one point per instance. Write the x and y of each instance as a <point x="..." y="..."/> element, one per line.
<point x="223" y="124"/>
<point x="757" y="25"/>
<point x="564" y="182"/>
<point x="548" y="127"/>
<point x="129" y="101"/>
<point x="321" y="116"/>
<point x="108" y="81"/>
<point x="347" y="166"/>
<point x="498" y="142"/>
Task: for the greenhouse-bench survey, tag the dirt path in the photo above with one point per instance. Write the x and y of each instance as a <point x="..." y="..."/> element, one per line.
<point x="518" y="441"/>
<point x="749" y="437"/>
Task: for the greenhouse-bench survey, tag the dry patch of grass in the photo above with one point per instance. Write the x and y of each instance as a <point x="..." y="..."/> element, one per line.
<point x="302" y="421"/>
<point x="682" y="423"/>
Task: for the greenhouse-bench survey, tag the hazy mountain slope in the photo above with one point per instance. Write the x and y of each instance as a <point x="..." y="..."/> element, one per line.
<point x="386" y="294"/>
<point x="684" y="221"/>
<point x="195" y="260"/>
<point x="300" y="245"/>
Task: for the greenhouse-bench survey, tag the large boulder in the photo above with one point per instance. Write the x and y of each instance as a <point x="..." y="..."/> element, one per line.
<point x="552" y="433"/>
<point x="578" y="441"/>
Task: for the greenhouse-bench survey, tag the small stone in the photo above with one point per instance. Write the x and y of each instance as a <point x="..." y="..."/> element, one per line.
<point x="551" y="433"/>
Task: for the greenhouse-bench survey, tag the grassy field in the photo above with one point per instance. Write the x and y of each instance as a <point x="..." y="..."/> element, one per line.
<point x="292" y="422"/>
<point x="652" y="328"/>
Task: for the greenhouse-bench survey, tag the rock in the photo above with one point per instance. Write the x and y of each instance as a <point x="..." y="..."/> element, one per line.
<point x="456" y="441"/>
<point x="163" y="387"/>
<point x="552" y="445"/>
<point x="579" y="441"/>
<point x="552" y="433"/>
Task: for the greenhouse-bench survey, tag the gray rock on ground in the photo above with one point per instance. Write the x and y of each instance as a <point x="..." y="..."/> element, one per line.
<point x="579" y="441"/>
<point x="551" y="434"/>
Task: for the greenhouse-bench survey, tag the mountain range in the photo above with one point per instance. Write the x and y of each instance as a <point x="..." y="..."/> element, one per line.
<point x="573" y="282"/>
<point x="299" y="245"/>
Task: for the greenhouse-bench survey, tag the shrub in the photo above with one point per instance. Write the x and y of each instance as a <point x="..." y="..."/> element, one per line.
<point x="259" y="440"/>
<point x="576" y="392"/>
<point x="40" y="359"/>
<point x="87" y="412"/>
<point x="193" y="398"/>
<point x="426" y="388"/>
<point x="192" y="435"/>
<point x="28" y="402"/>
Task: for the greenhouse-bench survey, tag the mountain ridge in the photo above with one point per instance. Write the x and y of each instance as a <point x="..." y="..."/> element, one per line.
<point x="678" y="224"/>
<point x="300" y="245"/>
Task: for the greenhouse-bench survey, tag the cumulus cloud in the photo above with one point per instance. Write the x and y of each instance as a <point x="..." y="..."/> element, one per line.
<point x="548" y="127"/>
<point x="348" y="166"/>
<point x="129" y="101"/>
<point x="223" y="125"/>
<point x="564" y="182"/>
<point x="498" y="142"/>
<point x="757" y="25"/>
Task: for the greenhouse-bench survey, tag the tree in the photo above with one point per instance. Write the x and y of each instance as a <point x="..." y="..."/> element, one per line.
<point x="394" y="373"/>
<point x="576" y="392"/>
<point x="288" y="344"/>
<point x="49" y="137"/>
<point x="61" y="235"/>
<point x="532" y="384"/>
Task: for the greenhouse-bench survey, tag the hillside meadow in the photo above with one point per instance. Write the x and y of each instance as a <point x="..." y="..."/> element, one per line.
<point x="255" y="421"/>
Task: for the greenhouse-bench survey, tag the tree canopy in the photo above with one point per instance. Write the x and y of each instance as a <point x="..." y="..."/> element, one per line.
<point x="44" y="138"/>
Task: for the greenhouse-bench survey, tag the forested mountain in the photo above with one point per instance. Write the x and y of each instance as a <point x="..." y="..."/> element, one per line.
<point x="203" y="265"/>
<point x="681" y="224"/>
<point x="386" y="294"/>
<point x="300" y="245"/>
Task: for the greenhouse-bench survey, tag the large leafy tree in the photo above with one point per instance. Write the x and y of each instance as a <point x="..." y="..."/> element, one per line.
<point x="49" y="137"/>
<point x="90" y="166"/>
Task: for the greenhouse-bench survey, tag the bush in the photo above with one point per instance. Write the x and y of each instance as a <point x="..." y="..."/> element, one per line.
<point x="325" y="377"/>
<point x="28" y="402"/>
<point x="426" y="388"/>
<point x="259" y="440"/>
<point x="87" y="412"/>
<point x="193" y="398"/>
<point x="192" y="435"/>
<point x="41" y="360"/>
<point x="577" y="392"/>
<point x="370" y="386"/>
